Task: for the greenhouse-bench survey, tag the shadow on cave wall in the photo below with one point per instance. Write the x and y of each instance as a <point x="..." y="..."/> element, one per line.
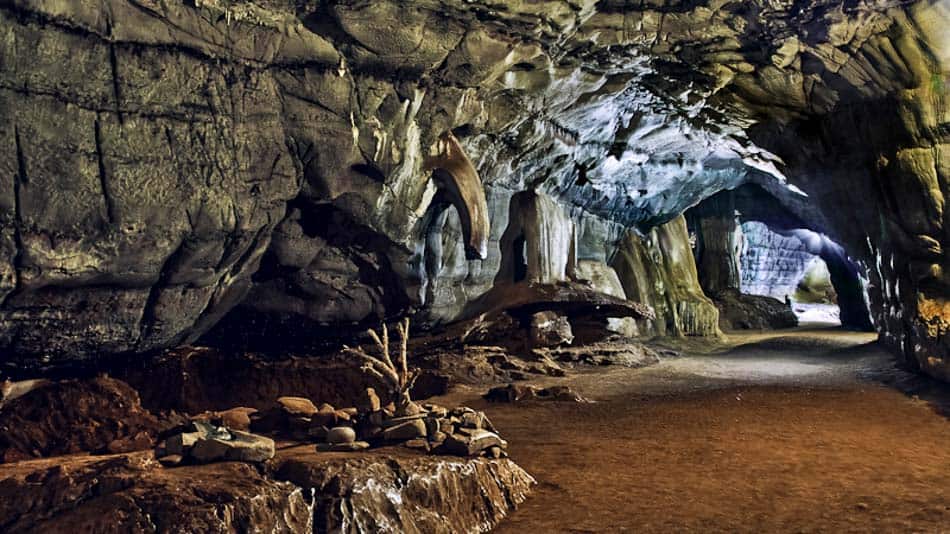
<point x="322" y="264"/>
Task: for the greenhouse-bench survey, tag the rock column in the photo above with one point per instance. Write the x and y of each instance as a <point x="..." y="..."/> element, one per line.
<point x="718" y="244"/>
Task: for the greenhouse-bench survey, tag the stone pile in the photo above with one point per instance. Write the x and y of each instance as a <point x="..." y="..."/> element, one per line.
<point x="212" y="437"/>
<point x="300" y="419"/>
<point x="199" y="442"/>
<point x="235" y="418"/>
<point x="427" y="427"/>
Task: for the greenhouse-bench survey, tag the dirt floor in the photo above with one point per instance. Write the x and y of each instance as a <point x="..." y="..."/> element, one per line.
<point x="780" y="432"/>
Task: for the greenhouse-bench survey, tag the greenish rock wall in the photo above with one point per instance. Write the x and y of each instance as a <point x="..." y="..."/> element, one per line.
<point x="659" y="270"/>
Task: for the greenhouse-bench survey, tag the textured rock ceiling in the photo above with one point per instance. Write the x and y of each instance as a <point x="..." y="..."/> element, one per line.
<point x="169" y="157"/>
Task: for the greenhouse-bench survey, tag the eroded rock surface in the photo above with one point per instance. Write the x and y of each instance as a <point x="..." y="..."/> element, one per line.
<point x="738" y="311"/>
<point x="136" y="494"/>
<point x="659" y="270"/>
<point x="410" y="494"/>
<point x="194" y="380"/>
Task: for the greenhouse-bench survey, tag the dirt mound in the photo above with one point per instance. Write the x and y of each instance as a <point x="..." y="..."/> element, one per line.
<point x="135" y="494"/>
<point x="71" y="416"/>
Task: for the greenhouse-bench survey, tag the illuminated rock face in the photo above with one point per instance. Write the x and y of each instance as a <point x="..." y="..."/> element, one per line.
<point x="295" y="161"/>
<point x="771" y="264"/>
<point x="659" y="270"/>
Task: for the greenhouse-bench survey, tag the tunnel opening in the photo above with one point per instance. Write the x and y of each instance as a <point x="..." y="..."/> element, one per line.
<point x="778" y="265"/>
<point x="758" y="255"/>
<point x="815" y="300"/>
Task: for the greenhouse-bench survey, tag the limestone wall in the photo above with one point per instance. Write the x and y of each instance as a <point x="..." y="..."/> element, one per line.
<point x="658" y="269"/>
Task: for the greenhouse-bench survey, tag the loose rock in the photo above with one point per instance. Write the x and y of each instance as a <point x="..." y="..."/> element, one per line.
<point x="408" y="430"/>
<point x="200" y="442"/>
<point x="548" y="329"/>
<point x="474" y="444"/>
<point x="341" y="434"/>
<point x="297" y="406"/>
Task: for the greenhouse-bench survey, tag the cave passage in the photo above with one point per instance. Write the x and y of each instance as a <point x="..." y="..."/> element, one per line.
<point x="455" y="266"/>
<point x="760" y="256"/>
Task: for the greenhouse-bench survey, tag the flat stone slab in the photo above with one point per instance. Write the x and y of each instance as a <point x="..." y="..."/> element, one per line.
<point x="524" y="300"/>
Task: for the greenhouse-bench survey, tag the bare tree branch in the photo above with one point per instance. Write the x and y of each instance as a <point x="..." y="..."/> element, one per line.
<point x="394" y="375"/>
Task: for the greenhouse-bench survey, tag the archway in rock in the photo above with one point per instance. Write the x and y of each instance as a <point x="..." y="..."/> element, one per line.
<point x="752" y="241"/>
<point x="444" y="255"/>
<point x="781" y="265"/>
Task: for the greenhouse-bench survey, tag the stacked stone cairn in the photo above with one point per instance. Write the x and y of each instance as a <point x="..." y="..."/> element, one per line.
<point x="426" y="427"/>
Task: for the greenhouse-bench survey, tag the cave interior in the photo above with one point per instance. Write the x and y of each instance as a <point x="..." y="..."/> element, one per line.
<point x="418" y="266"/>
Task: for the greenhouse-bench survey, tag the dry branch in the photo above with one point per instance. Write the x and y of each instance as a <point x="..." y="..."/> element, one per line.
<point x="395" y="376"/>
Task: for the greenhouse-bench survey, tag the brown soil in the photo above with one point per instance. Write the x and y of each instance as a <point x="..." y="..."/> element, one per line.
<point x="70" y="416"/>
<point x="781" y="434"/>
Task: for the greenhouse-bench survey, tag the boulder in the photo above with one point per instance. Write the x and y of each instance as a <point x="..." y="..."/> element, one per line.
<point x="341" y="434"/>
<point x="292" y="417"/>
<point x="242" y="447"/>
<point x="369" y="401"/>
<point x="548" y="329"/>
<point x="738" y="311"/>
<point x="297" y="406"/>
<point x="180" y="444"/>
<point x="201" y="442"/>
<point x="473" y="443"/>
<point x="470" y="418"/>
<point x="236" y="418"/>
<point x="414" y="428"/>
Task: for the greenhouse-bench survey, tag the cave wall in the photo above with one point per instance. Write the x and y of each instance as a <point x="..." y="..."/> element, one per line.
<point x="659" y="270"/>
<point x="296" y="157"/>
<point x="771" y="264"/>
<point x="190" y="153"/>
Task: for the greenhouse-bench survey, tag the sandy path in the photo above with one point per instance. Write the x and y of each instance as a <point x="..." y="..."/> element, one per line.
<point x="780" y="432"/>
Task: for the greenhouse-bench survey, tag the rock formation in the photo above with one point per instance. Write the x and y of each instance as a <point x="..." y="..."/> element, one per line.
<point x="772" y="264"/>
<point x="658" y="270"/>
<point x="299" y="493"/>
<point x="537" y="184"/>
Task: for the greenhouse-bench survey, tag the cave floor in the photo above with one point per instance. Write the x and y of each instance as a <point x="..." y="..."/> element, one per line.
<point x="787" y="431"/>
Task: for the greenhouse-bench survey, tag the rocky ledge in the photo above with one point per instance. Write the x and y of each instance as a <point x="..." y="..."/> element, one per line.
<point x="412" y="494"/>
<point x="299" y="491"/>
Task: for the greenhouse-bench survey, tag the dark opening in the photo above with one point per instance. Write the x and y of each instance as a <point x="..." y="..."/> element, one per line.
<point x="520" y="257"/>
